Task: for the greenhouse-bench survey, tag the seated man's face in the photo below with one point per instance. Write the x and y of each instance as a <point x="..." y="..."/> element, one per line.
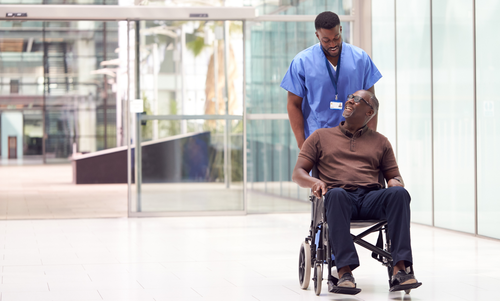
<point x="357" y="106"/>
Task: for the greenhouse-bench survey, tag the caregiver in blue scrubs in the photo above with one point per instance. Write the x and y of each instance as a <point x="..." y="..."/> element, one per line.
<point x="321" y="77"/>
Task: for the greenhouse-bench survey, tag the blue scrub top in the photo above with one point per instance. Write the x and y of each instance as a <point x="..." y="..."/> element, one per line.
<point x="308" y="78"/>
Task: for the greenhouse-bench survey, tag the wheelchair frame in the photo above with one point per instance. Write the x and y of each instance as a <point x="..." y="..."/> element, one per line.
<point x="315" y="250"/>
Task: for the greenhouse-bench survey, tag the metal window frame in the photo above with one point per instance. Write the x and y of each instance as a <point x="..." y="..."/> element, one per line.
<point x="124" y="13"/>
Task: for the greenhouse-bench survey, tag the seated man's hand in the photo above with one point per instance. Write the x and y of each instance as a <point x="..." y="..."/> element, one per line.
<point x="394" y="182"/>
<point x="319" y="189"/>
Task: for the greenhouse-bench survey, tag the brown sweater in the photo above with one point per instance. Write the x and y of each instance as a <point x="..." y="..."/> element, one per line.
<point x="350" y="161"/>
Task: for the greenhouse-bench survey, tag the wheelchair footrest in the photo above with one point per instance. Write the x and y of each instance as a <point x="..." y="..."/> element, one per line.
<point x="332" y="288"/>
<point x="404" y="287"/>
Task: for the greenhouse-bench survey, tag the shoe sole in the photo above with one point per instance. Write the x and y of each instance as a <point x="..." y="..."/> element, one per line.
<point x="342" y="290"/>
<point x="403" y="287"/>
<point x="345" y="290"/>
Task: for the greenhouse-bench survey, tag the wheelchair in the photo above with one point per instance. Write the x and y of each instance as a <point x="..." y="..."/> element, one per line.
<point x="315" y="250"/>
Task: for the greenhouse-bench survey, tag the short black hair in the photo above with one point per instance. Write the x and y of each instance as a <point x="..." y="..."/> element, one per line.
<point x="326" y="20"/>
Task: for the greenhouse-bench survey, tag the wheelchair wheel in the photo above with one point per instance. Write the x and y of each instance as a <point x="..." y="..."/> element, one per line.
<point x="304" y="265"/>
<point x="318" y="278"/>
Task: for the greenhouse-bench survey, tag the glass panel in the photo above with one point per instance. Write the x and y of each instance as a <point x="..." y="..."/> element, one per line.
<point x="453" y="114"/>
<point x="271" y="157"/>
<point x="189" y="165"/>
<point x="79" y="95"/>
<point x="488" y="125"/>
<point x="383" y="50"/>
<point x="21" y="87"/>
<point x="187" y="172"/>
<point x="181" y="76"/>
<point x="414" y="105"/>
<point x="51" y="71"/>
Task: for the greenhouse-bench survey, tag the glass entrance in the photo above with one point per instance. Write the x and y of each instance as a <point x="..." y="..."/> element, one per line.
<point x="187" y="149"/>
<point x="187" y="144"/>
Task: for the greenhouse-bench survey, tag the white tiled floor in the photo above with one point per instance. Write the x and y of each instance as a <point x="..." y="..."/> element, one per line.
<point x="229" y="258"/>
<point x="33" y="191"/>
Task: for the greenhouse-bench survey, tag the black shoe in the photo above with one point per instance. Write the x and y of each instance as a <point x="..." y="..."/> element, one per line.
<point x="403" y="281"/>
<point x="402" y="278"/>
<point x="345" y="285"/>
<point x="347" y="280"/>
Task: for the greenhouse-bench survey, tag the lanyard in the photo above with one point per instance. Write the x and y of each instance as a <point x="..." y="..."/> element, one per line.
<point x="332" y="78"/>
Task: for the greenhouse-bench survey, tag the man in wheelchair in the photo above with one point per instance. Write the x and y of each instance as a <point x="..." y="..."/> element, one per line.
<point x="349" y="159"/>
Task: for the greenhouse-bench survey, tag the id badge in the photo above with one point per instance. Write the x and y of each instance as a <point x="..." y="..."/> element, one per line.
<point x="336" y="105"/>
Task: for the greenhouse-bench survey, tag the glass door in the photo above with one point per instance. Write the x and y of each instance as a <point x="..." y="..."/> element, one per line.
<point x="187" y="144"/>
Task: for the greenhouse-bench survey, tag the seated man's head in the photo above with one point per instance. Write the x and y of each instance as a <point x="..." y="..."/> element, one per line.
<point x="360" y="107"/>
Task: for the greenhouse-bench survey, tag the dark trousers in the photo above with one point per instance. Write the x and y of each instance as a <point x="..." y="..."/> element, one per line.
<point x="391" y="204"/>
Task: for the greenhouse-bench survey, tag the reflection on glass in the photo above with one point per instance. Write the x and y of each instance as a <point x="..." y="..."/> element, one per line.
<point x="414" y="105"/>
<point x="453" y="115"/>
<point x="488" y="125"/>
